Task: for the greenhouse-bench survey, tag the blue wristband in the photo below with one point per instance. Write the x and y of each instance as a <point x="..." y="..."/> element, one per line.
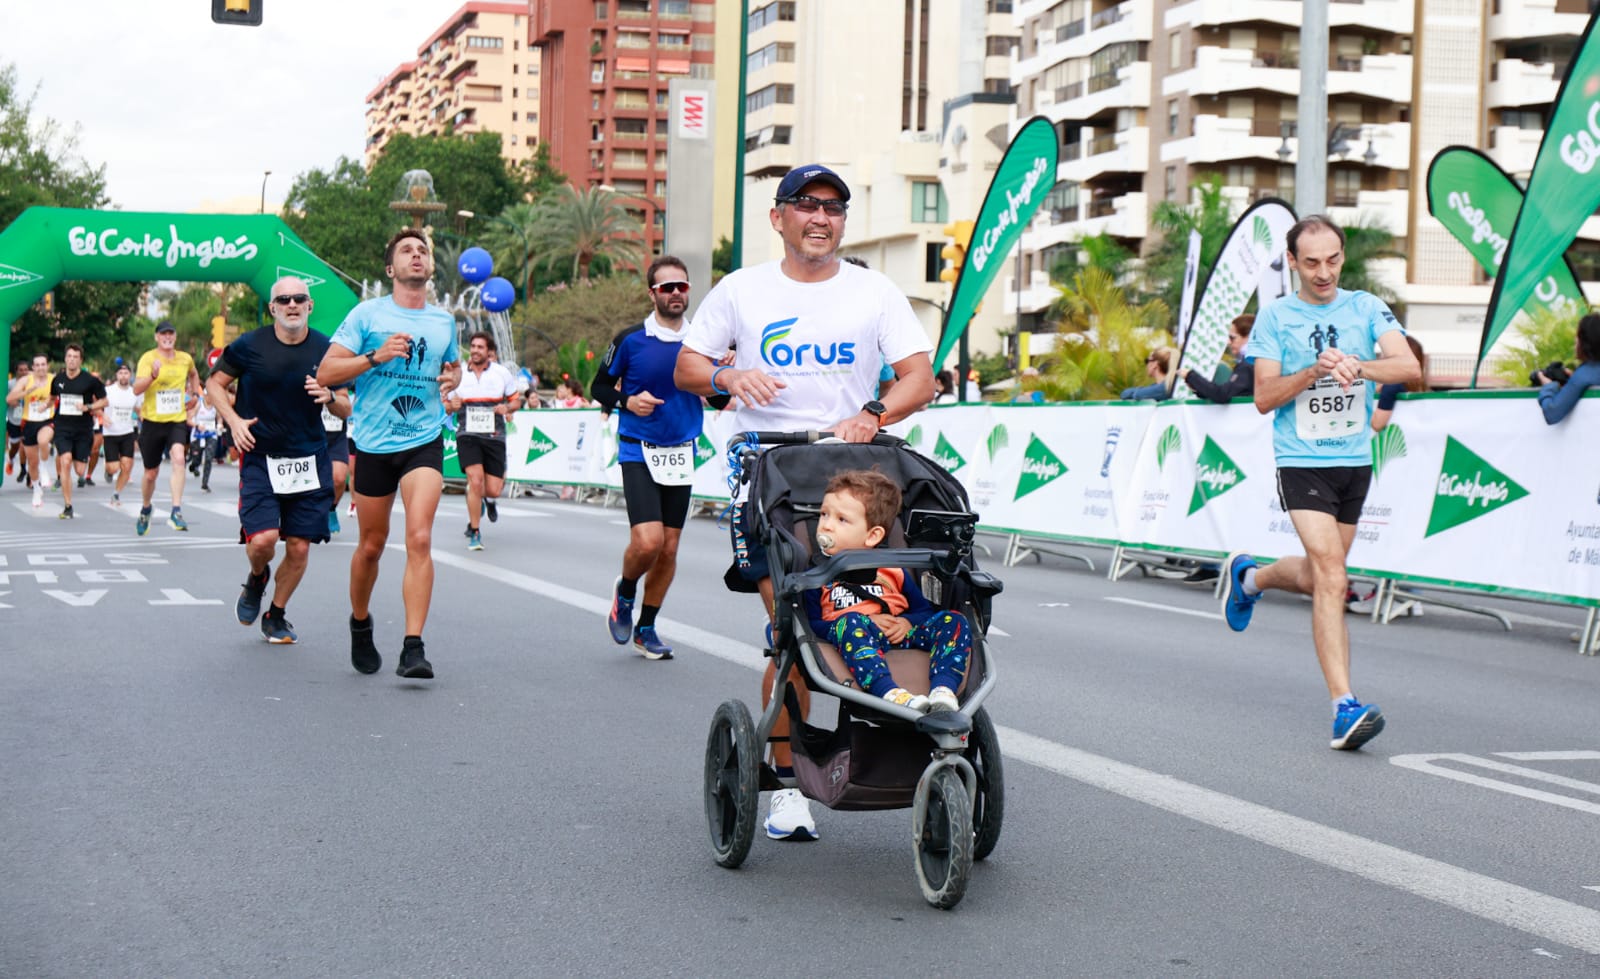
<point x="714" y="388"/>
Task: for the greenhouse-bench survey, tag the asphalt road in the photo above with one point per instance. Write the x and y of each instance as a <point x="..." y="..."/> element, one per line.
<point x="182" y="799"/>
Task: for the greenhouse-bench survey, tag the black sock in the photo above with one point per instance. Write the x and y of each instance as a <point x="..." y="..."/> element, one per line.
<point x="647" y="615"/>
<point x="361" y="624"/>
<point x="274" y="611"/>
<point x="413" y="640"/>
<point x="628" y="587"/>
<point x="258" y="579"/>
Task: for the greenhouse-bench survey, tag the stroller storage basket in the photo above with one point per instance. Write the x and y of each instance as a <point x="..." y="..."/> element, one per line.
<point x="859" y="766"/>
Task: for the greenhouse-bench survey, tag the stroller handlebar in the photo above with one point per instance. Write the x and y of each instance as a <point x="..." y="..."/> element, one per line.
<point x="797" y="438"/>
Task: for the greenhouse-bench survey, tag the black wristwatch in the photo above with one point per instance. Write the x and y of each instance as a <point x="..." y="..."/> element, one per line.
<point x="370" y="358"/>
<point x="875" y="409"/>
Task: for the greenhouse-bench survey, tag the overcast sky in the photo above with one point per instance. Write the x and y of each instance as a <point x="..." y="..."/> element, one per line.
<point x="187" y="115"/>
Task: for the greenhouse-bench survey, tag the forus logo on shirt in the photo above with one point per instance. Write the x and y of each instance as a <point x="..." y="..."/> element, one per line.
<point x="776" y="353"/>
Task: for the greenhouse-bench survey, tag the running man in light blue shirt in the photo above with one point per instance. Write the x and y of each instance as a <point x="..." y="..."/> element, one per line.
<point x="404" y="351"/>
<point x="1315" y="352"/>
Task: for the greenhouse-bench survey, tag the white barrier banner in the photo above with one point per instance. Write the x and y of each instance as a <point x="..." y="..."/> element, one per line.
<point x="1469" y="489"/>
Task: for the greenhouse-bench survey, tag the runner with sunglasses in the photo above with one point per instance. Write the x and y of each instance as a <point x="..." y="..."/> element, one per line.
<point x="285" y="476"/>
<point x="656" y="437"/>
<point x="811" y="333"/>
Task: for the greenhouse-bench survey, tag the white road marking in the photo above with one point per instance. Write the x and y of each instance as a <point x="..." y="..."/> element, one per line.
<point x="1427" y="763"/>
<point x="1580" y="755"/>
<point x="177" y="596"/>
<point x="1165" y="608"/>
<point x="85" y="600"/>
<point x="1486" y="897"/>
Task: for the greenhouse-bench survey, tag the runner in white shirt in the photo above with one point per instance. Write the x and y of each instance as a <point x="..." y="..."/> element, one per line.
<point x="122" y="406"/>
<point x="14" y="420"/>
<point x="811" y="334"/>
<point x="485" y="397"/>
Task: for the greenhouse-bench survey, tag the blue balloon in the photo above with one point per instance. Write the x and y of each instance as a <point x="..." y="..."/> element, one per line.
<point x="498" y="294"/>
<point x="476" y="265"/>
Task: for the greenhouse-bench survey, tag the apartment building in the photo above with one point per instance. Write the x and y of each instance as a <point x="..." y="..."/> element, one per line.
<point x="1147" y="96"/>
<point x="876" y="91"/>
<point x="605" y="94"/>
<point x="475" y="73"/>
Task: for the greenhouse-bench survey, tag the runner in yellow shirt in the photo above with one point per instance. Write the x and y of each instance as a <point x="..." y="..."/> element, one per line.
<point x="32" y="392"/>
<point x="164" y="379"/>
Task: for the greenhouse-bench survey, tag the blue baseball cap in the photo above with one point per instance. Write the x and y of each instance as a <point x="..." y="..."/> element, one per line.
<point x="797" y="179"/>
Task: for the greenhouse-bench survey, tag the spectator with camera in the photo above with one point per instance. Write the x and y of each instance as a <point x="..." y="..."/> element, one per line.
<point x="1559" y="389"/>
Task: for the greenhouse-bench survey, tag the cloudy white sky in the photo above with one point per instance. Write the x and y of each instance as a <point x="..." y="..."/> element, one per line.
<point x="185" y="114"/>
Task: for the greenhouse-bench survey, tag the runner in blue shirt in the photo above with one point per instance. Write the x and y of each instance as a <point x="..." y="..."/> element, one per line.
<point x="404" y="351"/>
<point x="656" y="437"/>
<point x="1315" y="352"/>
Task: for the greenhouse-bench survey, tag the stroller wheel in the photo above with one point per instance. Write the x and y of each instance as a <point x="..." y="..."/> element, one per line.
<point x="941" y="831"/>
<point x="732" y="786"/>
<point x="988" y="809"/>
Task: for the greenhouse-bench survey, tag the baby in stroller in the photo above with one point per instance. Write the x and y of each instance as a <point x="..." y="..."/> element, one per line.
<point x="866" y="611"/>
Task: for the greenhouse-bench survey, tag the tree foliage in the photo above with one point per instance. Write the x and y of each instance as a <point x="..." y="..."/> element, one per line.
<point x="1106" y="340"/>
<point x="586" y="312"/>
<point x="1210" y="215"/>
<point x="343" y="213"/>
<point x="583" y="226"/>
<point x="40" y="167"/>
<point x="1539" y="340"/>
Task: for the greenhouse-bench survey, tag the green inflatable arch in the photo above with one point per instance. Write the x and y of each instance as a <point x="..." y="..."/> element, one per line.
<point x="45" y="246"/>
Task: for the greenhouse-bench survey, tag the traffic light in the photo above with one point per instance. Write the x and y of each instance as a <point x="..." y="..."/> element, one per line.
<point x="244" y="12"/>
<point x="219" y="326"/>
<point x="960" y="235"/>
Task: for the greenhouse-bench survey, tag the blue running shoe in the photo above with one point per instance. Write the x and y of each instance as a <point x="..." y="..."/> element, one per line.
<point x="277" y="629"/>
<point x="649" y="644"/>
<point x="474" y="540"/>
<point x="333" y="521"/>
<point x="621" y="620"/>
<point x="175" y="520"/>
<point x="144" y="521"/>
<point x="1355" y="725"/>
<point x="1237" y="607"/>
<point x="249" y="604"/>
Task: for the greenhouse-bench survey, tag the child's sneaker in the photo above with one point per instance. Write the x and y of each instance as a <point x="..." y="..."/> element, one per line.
<point x="905" y="698"/>
<point x="942" y="698"/>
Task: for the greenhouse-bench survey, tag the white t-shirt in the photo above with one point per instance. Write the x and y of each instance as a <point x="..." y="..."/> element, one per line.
<point x="494" y="385"/>
<point x="825" y="340"/>
<point x="120" y="405"/>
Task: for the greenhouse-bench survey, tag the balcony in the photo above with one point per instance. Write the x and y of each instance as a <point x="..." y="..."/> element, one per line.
<point x="1221" y="139"/>
<point x="1387" y="209"/>
<point x="1130" y="21"/>
<point x="1125" y="216"/>
<point x="1514" y="20"/>
<point x="1513" y="149"/>
<point x="1124" y="152"/>
<point x="1037" y="291"/>
<point x="1128" y="87"/>
<point x="1513" y="84"/>
<point x="1218" y="71"/>
<point x="1389" y="16"/>
<point x="1384" y="77"/>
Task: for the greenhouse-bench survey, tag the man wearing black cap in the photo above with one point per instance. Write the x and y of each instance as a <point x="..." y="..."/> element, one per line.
<point x="811" y="334"/>
<point x="164" y="379"/>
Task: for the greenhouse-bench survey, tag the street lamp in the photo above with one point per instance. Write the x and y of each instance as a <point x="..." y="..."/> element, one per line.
<point x="1339" y="137"/>
<point x="462" y="217"/>
<point x="264" y="177"/>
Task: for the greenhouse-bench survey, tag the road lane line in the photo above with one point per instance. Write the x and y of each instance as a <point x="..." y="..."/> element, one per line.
<point x="1165" y="608"/>
<point x="1427" y="764"/>
<point x="1486" y="897"/>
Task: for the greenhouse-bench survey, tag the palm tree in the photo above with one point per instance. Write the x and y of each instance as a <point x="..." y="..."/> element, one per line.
<point x="1106" y="341"/>
<point x="513" y="240"/>
<point x="1210" y="215"/>
<point x="584" y="225"/>
<point x="1365" y="242"/>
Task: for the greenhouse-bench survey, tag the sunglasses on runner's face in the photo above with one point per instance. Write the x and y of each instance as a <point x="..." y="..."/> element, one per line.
<point x="298" y="298"/>
<point x="676" y="285"/>
<point x="806" y="204"/>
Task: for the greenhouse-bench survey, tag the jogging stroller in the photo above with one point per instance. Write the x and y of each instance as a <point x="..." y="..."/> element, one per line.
<point x="945" y="766"/>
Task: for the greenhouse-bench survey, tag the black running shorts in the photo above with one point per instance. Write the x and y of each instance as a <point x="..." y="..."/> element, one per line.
<point x="649" y="501"/>
<point x="1338" y="490"/>
<point x="380" y="472"/>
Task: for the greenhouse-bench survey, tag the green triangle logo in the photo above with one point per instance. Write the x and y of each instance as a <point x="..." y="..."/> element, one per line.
<point x="1468" y="488"/>
<point x="1214" y="475"/>
<point x="704" y="451"/>
<point x="946" y="455"/>
<point x="539" y="445"/>
<point x="1387" y="446"/>
<point x="1039" y="467"/>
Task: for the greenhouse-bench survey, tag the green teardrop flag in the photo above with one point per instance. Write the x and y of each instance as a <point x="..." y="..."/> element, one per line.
<point x="1024" y="178"/>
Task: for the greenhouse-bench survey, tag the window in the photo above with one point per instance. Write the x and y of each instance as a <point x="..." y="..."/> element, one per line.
<point x="770" y="55"/>
<point x="533" y="69"/>
<point x="771" y="14"/>
<point x="1241" y="175"/>
<point x="600" y="9"/>
<point x="1346" y="187"/>
<point x="1172" y="183"/>
<point x="998" y="47"/>
<point x="932" y="261"/>
<point x="674" y="8"/>
<point x="1174" y="51"/>
<point x="928" y="204"/>
<point x="473" y="41"/>
<point x="771" y="95"/>
<point x="513" y="139"/>
<point x="1062" y="202"/>
<point x="1172" y="117"/>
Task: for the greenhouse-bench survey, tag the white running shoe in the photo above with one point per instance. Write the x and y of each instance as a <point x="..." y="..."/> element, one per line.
<point x="45" y="478"/>
<point x="38" y="495"/>
<point x="789" y="817"/>
<point x="942" y="698"/>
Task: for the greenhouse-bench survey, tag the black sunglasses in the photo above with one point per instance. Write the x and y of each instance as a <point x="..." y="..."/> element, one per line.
<point x="675" y="285"/>
<point x="806" y="204"/>
<point x="298" y="298"/>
